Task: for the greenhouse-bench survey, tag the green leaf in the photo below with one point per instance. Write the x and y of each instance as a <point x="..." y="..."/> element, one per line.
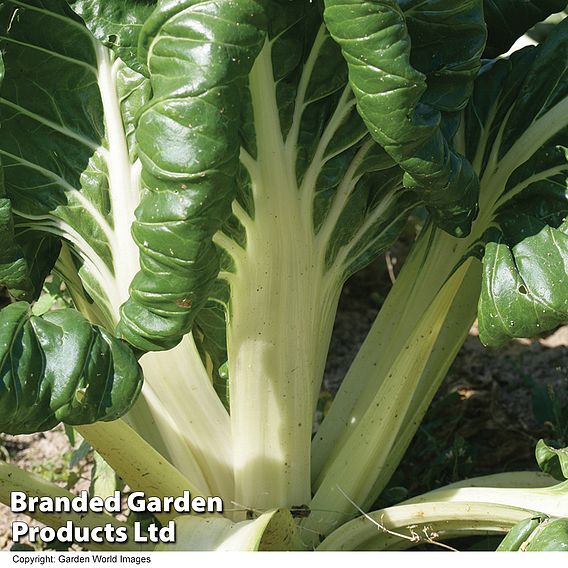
<point x="550" y="536"/>
<point x="517" y="136"/>
<point x="59" y="368"/>
<point x="76" y="178"/>
<point x="552" y="461"/>
<point x="409" y="64"/>
<point x="518" y="535"/>
<point x="41" y="251"/>
<point x="117" y="24"/>
<point x="524" y="293"/>
<point x="538" y="534"/>
<point x="210" y="335"/>
<point x="507" y="20"/>
<point x="188" y="143"/>
<point x="14" y="269"/>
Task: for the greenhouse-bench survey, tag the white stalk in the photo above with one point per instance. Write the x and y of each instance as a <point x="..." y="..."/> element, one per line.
<point x="301" y="103"/>
<point x="497" y="174"/>
<point x="353" y="466"/>
<point x="404" y="526"/>
<point x="552" y="501"/>
<point x="421" y="279"/>
<point x="178" y="385"/>
<point x="280" y="320"/>
<point x="123" y="177"/>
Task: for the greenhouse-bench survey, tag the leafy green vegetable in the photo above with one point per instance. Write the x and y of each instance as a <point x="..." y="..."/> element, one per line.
<point x="540" y="534"/>
<point x="76" y="177"/>
<point x="403" y="87"/>
<point x="520" y="144"/>
<point x="205" y="176"/>
<point x="99" y="380"/>
<point x="552" y="461"/>
<point x="188" y="172"/>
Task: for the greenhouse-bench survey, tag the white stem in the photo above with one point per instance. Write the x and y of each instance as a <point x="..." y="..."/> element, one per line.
<point x="355" y="464"/>
<point x="404" y="526"/>
<point x="123" y="177"/>
<point x="552" y="501"/>
<point x="300" y="103"/>
<point x="344" y="190"/>
<point x="178" y="385"/>
<point x="280" y="319"/>
<point x="534" y="137"/>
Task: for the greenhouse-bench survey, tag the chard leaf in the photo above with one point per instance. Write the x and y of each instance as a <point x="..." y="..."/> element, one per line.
<point x="59" y="368"/>
<point x="188" y="143"/>
<point x="75" y="178"/>
<point x="550" y="536"/>
<point x="14" y="269"/>
<point x="518" y="142"/>
<point x="537" y="534"/>
<point x="409" y="63"/>
<point x="117" y="25"/>
<point x="519" y="534"/>
<point x="350" y="186"/>
<point x="26" y="258"/>
<point x="507" y="20"/>
<point x="552" y="461"/>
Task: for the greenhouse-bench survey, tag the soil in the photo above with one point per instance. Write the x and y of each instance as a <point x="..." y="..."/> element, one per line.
<point x="46" y="454"/>
<point x="491" y="410"/>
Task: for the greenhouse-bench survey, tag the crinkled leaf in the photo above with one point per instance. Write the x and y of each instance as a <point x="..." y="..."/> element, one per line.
<point x="14" y="271"/>
<point x="519" y="534"/>
<point x="117" y="24"/>
<point x="552" y="461"/>
<point x="74" y="177"/>
<point x="517" y="137"/>
<point x="408" y="63"/>
<point x="60" y="368"/>
<point x="188" y="142"/>
<point x="524" y="286"/>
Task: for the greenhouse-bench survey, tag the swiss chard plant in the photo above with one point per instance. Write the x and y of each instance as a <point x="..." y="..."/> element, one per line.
<point x="205" y="176"/>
